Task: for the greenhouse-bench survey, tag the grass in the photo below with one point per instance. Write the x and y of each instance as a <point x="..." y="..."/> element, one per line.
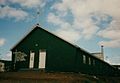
<point x="41" y="77"/>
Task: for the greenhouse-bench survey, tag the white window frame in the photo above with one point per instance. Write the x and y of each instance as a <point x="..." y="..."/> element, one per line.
<point x="89" y="59"/>
<point x="31" y="62"/>
<point x="84" y="59"/>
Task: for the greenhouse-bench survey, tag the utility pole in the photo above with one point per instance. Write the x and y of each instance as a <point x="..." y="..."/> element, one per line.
<point x="38" y="15"/>
<point x="39" y="12"/>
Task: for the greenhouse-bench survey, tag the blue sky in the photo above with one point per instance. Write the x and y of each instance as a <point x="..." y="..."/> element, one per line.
<point x="85" y="23"/>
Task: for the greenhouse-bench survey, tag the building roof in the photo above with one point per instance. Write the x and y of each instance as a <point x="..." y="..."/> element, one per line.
<point x="37" y="26"/>
<point x="5" y="61"/>
<point x="99" y="55"/>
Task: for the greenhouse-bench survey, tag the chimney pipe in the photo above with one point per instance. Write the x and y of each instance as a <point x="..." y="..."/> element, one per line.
<point x="102" y="51"/>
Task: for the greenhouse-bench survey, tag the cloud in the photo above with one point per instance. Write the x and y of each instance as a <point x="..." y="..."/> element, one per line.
<point x="101" y="20"/>
<point x="9" y="12"/>
<point x="13" y="8"/>
<point x="29" y="3"/>
<point x="112" y="33"/>
<point x="113" y="60"/>
<point x="65" y="28"/>
<point x="68" y="34"/>
<point x="82" y="26"/>
<point x="2" y="41"/>
<point x="89" y="18"/>
<point x="52" y="18"/>
<point x="7" y="56"/>
<point x="85" y="7"/>
<point x="112" y="43"/>
<point x="86" y="27"/>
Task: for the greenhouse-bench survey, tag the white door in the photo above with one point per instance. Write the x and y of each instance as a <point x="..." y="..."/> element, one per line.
<point x="42" y="59"/>
<point x="31" y="63"/>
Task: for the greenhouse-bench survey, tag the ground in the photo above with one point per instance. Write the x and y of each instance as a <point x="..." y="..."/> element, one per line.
<point x="42" y="77"/>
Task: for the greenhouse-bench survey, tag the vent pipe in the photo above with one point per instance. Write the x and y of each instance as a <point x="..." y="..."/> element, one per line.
<point x="102" y="51"/>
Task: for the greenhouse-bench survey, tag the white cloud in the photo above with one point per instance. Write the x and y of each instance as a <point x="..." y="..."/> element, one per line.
<point x="73" y="32"/>
<point x="29" y="3"/>
<point x="7" y="56"/>
<point x="112" y="33"/>
<point x="2" y="41"/>
<point x="80" y="27"/>
<point x="68" y="34"/>
<point x="84" y="7"/>
<point x="86" y="27"/>
<point x="82" y="24"/>
<point x="10" y="12"/>
<point x="65" y="31"/>
<point x="54" y="19"/>
<point x="112" y="43"/>
<point x="113" y="60"/>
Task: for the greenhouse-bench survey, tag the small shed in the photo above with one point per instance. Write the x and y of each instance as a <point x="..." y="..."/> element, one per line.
<point x="99" y="55"/>
<point x="5" y="65"/>
<point x="2" y="67"/>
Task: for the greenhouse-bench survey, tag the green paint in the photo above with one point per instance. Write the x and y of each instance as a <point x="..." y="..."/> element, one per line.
<point x="61" y="55"/>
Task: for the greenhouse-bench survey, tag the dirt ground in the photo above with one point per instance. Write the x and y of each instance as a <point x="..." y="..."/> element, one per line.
<point x="41" y="77"/>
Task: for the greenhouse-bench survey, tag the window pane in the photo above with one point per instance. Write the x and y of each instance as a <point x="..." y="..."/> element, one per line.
<point x="84" y="59"/>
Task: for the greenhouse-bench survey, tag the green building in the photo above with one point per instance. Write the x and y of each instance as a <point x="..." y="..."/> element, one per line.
<point x="41" y="49"/>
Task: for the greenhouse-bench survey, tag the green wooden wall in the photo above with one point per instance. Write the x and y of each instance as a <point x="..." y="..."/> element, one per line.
<point x="61" y="55"/>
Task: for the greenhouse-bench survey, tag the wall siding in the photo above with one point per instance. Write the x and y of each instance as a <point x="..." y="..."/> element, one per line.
<point x="60" y="54"/>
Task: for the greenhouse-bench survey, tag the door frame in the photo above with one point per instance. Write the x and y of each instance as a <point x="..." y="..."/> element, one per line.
<point x="31" y="59"/>
<point x="42" y="59"/>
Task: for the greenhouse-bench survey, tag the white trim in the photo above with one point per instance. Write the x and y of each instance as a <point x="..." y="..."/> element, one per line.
<point x="31" y="62"/>
<point x="89" y="59"/>
<point x="42" y="59"/>
<point x="84" y="59"/>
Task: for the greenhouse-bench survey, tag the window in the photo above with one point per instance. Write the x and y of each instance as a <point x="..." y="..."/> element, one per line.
<point x="32" y="56"/>
<point x="84" y="59"/>
<point x="93" y="62"/>
<point x="89" y="61"/>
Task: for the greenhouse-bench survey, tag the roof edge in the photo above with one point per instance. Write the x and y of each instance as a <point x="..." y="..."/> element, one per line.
<point x="35" y="26"/>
